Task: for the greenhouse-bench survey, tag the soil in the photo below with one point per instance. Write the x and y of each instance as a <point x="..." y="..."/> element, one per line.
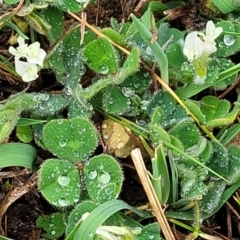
<point x="19" y="221"/>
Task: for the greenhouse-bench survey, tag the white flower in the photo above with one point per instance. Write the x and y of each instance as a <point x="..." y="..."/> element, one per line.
<point x="197" y="49"/>
<point x="35" y="54"/>
<point x="28" y="71"/>
<point x="212" y="32"/>
<point x="20" y="51"/>
<point x="193" y="46"/>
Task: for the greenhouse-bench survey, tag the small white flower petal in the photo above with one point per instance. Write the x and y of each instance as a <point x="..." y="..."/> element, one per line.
<point x="209" y="48"/>
<point x="212" y="32"/>
<point x="18" y="52"/>
<point x="35" y="54"/>
<point x="20" y="41"/>
<point x="193" y="46"/>
<point x="28" y="71"/>
<point x="210" y="28"/>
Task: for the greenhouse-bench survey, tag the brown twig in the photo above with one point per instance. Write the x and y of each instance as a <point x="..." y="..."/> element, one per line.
<point x="16" y="193"/>
<point x="230" y="88"/>
<point x="233" y="210"/>
<point x="229" y="223"/>
<point x="152" y="197"/>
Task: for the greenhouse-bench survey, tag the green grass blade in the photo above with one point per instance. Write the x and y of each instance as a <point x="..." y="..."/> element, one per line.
<point x="98" y="216"/>
<point x="158" y="52"/>
<point x="17" y="154"/>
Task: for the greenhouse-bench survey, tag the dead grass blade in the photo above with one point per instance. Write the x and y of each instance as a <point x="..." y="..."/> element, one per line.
<point x="152" y="197"/>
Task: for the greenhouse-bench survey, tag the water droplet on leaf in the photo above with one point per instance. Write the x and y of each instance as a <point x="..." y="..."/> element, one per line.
<point x="92" y="174"/>
<point x="62" y="143"/>
<point x="63" y="202"/>
<point x="63" y="180"/>
<point x="229" y="40"/>
<point x="104" y="178"/>
<point x="104" y="69"/>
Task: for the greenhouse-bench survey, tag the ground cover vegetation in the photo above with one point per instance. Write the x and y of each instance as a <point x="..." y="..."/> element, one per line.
<point x="121" y="127"/>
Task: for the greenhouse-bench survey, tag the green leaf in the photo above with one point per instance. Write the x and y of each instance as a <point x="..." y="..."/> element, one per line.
<point x="186" y="132"/>
<point x="214" y="108"/>
<point x="59" y="182"/>
<point x="53" y="225"/>
<point x="175" y="55"/>
<point x="158" y="134"/>
<point x="234" y="164"/>
<point x="76" y="214"/>
<point x="138" y="82"/>
<point x="130" y="67"/>
<point x="49" y="104"/>
<point x="29" y="121"/>
<point x="17" y="154"/>
<point x="225" y="6"/>
<point x="212" y="200"/>
<point x="225" y="65"/>
<point x="37" y="23"/>
<point x="157" y="116"/>
<point x="11" y="1"/>
<point x="219" y="162"/>
<point x="160" y="176"/>
<point x="65" y="58"/>
<point x="24" y="133"/>
<point x="113" y="35"/>
<point x="74" y="139"/>
<point x="71" y="5"/>
<point x="55" y="19"/>
<point x="172" y="113"/>
<point x="151" y="231"/>
<point x="114" y="101"/>
<point x="227" y="44"/>
<point x="158" y="52"/>
<point x="195" y="109"/>
<point x="101" y="56"/>
<point x="165" y="34"/>
<point x="76" y="109"/>
<point x="221" y="201"/>
<point x="8" y="121"/>
<point x="103" y="177"/>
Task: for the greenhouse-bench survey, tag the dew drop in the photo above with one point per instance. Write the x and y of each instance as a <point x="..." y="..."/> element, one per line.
<point x="62" y="202"/>
<point x="100" y="166"/>
<point x="104" y="178"/>
<point x="104" y="69"/>
<point x="221" y="44"/>
<point x="62" y="143"/>
<point x="92" y="174"/>
<point x="53" y="232"/>
<point x="90" y="234"/>
<point x="229" y="40"/>
<point x="108" y="191"/>
<point x="146" y="74"/>
<point x="128" y="92"/>
<point x="151" y="236"/>
<point x="63" y="180"/>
